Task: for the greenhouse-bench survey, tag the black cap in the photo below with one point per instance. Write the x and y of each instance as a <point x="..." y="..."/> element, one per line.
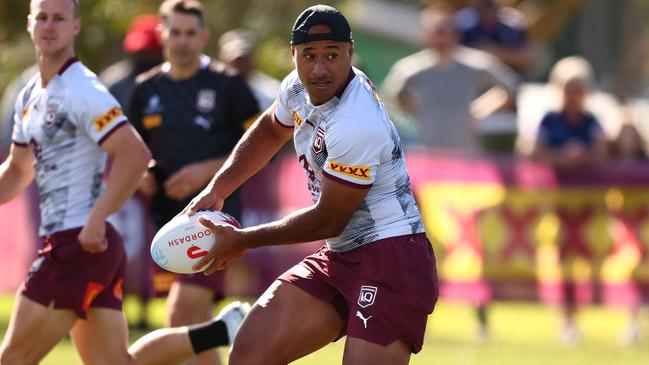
<point x="317" y="14"/>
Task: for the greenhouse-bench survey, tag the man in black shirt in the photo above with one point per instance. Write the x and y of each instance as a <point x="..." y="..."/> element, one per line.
<point x="190" y="112"/>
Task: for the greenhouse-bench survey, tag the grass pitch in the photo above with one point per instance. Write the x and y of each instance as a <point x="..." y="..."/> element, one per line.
<point x="521" y="333"/>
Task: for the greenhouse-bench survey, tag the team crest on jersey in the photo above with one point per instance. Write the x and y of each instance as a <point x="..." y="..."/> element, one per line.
<point x="50" y="114"/>
<point x="367" y="295"/>
<point x="206" y="100"/>
<point x="318" y="141"/>
<point x="297" y="119"/>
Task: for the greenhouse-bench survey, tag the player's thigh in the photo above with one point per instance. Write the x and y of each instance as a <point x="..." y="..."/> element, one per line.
<point x="34" y="330"/>
<point x="285" y="324"/>
<point x="189" y="304"/>
<point x="361" y="352"/>
<point x="102" y="337"/>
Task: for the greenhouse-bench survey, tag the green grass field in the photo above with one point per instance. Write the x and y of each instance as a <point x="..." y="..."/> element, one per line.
<point x="522" y="333"/>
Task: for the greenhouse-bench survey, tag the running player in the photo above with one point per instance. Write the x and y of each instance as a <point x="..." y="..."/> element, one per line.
<point x="190" y="112"/>
<point x="65" y="125"/>
<point x="375" y="279"/>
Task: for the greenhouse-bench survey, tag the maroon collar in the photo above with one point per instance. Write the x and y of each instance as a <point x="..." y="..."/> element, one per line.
<point x="67" y="64"/>
<point x="350" y="77"/>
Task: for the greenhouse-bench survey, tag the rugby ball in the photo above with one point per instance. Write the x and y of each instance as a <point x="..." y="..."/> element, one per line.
<point x="183" y="241"/>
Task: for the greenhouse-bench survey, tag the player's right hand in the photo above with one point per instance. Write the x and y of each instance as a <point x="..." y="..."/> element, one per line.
<point x="93" y="236"/>
<point x="205" y="200"/>
<point x="227" y="250"/>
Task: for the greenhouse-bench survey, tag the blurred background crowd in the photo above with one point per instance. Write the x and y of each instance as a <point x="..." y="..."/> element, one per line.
<point x="525" y="121"/>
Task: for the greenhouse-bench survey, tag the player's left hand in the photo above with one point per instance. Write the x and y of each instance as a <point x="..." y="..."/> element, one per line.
<point x="226" y="250"/>
<point x="93" y="236"/>
<point x="186" y="181"/>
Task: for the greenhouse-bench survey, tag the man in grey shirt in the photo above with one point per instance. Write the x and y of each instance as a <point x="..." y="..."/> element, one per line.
<point x="446" y="87"/>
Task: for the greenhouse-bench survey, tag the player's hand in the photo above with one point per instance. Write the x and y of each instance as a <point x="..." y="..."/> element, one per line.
<point x="93" y="236"/>
<point x="205" y="200"/>
<point x="186" y="181"/>
<point x="226" y="250"/>
<point x="148" y="185"/>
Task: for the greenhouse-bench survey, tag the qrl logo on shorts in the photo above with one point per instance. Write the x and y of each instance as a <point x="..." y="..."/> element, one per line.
<point x="367" y="295"/>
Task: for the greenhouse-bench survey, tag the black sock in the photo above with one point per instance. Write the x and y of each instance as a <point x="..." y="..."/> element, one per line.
<point x="208" y="335"/>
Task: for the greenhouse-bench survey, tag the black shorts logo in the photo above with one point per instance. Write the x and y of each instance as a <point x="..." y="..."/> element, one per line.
<point x="367" y="295"/>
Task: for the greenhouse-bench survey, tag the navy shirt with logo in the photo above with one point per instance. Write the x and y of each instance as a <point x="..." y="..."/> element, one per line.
<point x="555" y="131"/>
<point x="191" y="120"/>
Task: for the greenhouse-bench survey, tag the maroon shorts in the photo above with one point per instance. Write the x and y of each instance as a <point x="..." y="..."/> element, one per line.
<point x="70" y="278"/>
<point x="214" y="282"/>
<point x="384" y="290"/>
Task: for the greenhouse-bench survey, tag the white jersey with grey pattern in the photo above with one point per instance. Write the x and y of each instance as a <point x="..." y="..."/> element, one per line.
<point x="350" y="139"/>
<point x="64" y="124"/>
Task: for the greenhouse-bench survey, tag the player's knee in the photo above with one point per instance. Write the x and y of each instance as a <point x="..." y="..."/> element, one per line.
<point x="183" y="313"/>
<point x="178" y="318"/>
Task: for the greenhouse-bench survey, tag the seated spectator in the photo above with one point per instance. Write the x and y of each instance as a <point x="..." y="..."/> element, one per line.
<point x="499" y="30"/>
<point x="571" y="136"/>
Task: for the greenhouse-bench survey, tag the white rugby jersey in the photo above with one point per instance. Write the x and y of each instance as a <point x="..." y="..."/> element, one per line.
<point x="64" y="125"/>
<point x="351" y="140"/>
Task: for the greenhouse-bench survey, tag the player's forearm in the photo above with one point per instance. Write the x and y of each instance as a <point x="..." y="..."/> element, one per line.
<point x="257" y="146"/>
<point x="126" y="171"/>
<point x="304" y="225"/>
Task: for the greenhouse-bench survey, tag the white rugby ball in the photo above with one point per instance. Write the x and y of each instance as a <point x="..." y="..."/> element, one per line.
<point x="183" y="241"/>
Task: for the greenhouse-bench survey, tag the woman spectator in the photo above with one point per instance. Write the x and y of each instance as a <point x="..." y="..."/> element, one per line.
<point x="571" y="136"/>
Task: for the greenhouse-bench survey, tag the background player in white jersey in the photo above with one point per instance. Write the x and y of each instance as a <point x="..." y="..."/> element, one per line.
<point x="65" y="126"/>
<point x="375" y="279"/>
